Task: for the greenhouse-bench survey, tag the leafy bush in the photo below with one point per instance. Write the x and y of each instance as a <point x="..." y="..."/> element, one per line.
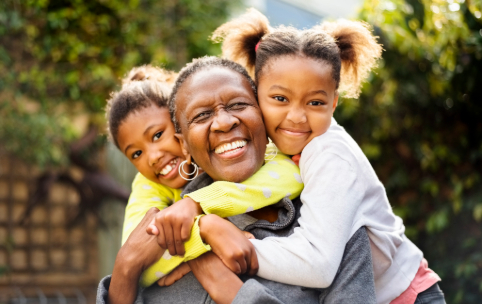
<point x="419" y="121"/>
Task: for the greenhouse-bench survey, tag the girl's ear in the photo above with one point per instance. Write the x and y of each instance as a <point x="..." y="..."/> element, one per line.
<point x="335" y="102"/>
<point x="184" y="149"/>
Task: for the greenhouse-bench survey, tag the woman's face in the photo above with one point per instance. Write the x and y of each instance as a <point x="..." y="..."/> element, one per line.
<point x="221" y="124"/>
<point x="147" y="138"/>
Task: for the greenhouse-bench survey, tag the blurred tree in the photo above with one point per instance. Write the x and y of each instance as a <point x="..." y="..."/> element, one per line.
<point x="419" y="121"/>
<point x="60" y="59"/>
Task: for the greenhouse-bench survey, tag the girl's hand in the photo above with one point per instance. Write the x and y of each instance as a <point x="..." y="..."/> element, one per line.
<point x="230" y="244"/>
<point x="218" y="280"/>
<point x="173" y="225"/>
<point x="175" y="275"/>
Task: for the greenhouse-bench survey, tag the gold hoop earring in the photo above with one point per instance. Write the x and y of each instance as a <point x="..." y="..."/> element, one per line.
<point x="195" y="172"/>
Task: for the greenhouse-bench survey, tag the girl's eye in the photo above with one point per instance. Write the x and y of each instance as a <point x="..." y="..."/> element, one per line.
<point x="316" y="103"/>
<point x="136" y="154"/>
<point x="280" y="98"/>
<point x="157" y="136"/>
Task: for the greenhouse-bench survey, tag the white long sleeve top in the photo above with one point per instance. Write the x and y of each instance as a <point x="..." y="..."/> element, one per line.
<point x="342" y="193"/>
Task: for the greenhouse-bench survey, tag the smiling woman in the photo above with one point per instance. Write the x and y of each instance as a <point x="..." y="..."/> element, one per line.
<point x="226" y="134"/>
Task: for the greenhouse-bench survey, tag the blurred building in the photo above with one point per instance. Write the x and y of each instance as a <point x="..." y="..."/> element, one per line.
<point x="304" y="13"/>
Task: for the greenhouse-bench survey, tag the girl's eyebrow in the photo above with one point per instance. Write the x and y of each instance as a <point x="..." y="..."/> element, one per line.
<point x="322" y="92"/>
<point x="277" y="86"/>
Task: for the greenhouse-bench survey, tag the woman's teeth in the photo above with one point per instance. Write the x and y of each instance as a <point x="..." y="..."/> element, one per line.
<point x="168" y="168"/>
<point x="231" y="147"/>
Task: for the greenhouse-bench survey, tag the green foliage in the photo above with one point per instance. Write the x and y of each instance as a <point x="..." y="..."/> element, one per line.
<point x="419" y="122"/>
<point x="60" y="59"/>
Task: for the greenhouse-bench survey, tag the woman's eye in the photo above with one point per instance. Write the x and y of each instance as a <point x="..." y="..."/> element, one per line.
<point x="136" y="154"/>
<point x="157" y="136"/>
<point x="280" y="98"/>
<point x="316" y="103"/>
<point x="237" y="106"/>
<point x="201" y="116"/>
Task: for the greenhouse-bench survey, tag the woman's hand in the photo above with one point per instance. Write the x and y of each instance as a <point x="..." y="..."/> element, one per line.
<point x="173" y="225"/>
<point x="174" y="275"/>
<point x="218" y="280"/>
<point x="138" y="252"/>
<point x="230" y="244"/>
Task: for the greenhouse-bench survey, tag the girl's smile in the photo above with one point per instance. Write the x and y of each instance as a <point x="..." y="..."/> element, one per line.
<point x="147" y="139"/>
<point x="297" y="96"/>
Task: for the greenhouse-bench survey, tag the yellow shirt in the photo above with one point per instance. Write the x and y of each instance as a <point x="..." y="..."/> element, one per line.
<point x="275" y="180"/>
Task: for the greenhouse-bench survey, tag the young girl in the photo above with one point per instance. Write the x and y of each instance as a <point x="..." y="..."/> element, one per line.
<point x="139" y="124"/>
<point x="299" y="74"/>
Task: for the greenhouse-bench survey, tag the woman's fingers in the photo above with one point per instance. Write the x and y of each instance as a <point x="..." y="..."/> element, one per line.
<point x="151" y="228"/>
<point x="175" y="275"/>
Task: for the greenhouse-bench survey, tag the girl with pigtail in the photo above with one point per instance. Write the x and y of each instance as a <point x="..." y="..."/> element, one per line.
<point x="299" y="76"/>
<point x="140" y="126"/>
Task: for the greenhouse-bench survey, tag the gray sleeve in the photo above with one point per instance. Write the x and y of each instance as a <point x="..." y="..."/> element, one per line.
<point x="354" y="282"/>
<point x="254" y="292"/>
<point x="103" y="292"/>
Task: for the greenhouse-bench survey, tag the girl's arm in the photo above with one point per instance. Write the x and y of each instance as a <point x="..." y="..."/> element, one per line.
<point x="277" y="179"/>
<point x="145" y="195"/>
<point x="311" y="256"/>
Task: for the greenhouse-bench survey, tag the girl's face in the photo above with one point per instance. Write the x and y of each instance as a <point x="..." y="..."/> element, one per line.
<point x="297" y="96"/>
<point x="146" y="137"/>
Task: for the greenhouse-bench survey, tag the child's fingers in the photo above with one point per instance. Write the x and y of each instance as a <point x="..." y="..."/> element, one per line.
<point x="178" y="242"/>
<point x="186" y="231"/>
<point x="161" y="238"/>
<point x="248" y="235"/>
<point x="152" y="229"/>
<point x="232" y="264"/>
<point x="169" y="235"/>
<point x="253" y="265"/>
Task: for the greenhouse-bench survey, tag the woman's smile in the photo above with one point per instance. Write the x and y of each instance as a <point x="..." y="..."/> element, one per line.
<point x="222" y="125"/>
<point x="231" y="149"/>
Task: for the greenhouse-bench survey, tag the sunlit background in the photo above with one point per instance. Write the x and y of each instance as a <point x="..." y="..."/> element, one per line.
<point x="63" y="188"/>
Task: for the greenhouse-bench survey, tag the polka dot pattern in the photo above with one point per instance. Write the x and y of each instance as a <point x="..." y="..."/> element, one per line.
<point x="166" y="255"/>
<point x="155" y="198"/>
<point x="298" y="178"/>
<point x="159" y="274"/>
<point x="273" y="162"/>
<point x="241" y="186"/>
<point x="146" y="187"/>
<point x="249" y="209"/>
<point x="273" y="174"/>
<point x="290" y="161"/>
<point x="267" y="192"/>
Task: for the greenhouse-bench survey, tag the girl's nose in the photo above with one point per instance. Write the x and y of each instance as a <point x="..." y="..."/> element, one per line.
<point x="223" y="121"/>
<point x="297" y="115"/>
<point x="155" y="156"/>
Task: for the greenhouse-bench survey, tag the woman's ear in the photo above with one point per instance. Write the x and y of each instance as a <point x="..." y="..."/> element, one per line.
<point x="184" y="146"/>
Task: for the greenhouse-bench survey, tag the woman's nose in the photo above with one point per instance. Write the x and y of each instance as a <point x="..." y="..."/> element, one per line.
<point x="224" y="122"/>
<point x="296" y="115"/>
